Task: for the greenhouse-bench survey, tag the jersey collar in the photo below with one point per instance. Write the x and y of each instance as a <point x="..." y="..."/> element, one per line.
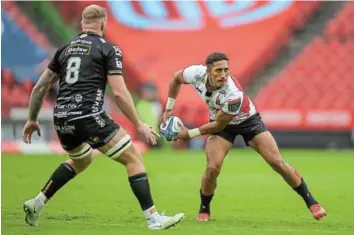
<point x="90" y="33"/>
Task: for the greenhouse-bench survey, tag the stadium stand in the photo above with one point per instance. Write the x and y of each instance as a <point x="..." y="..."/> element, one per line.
<point x="163" y="55"/>
<point x="316" y="90"/>
<point x="341" y="27"/>
<point x="23" y="51"/>
<point x="323" y="102"/>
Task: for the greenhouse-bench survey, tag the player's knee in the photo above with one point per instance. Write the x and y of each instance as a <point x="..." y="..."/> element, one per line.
<point x="213" y="170"/>
<point x="277" y="164"/>
<point x="80" y="165"/>
<point x="119" y="147"/>
<point x="81" y="152"/>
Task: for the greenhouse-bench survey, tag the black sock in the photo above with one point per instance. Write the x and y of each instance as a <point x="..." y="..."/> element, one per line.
<point x="59" y="178"/>
<point x="205" y="203"/>
<point x="304" y="192"/>
<point x="141" y="188"/>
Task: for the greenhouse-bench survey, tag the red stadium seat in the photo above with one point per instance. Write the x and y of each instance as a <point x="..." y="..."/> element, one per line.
<point x="14" y="94"/>
<point x="342" y="25"/>
<point x="27" y="85"/>
<point x="6" y="77"/>
<point x="319" y="78"/>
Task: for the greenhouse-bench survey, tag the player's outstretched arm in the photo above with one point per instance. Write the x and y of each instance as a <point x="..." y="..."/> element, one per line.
<point x="123" y="98"/>
<point x="125" y="102"/>
<point x="44" y="83"/>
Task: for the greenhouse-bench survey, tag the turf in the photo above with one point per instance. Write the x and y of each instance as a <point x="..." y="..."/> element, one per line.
<point x="251" y="199"/>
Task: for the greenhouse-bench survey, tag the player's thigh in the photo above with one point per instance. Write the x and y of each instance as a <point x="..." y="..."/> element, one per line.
<point x="120" y="148"/>
<point x="216" y="149"/>
<point x="265" y="144"/>
<point x="76" y="148"/>
<point x="97" y="130"/>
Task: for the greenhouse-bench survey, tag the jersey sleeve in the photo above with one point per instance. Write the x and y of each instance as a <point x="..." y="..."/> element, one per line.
<point x="114" y="62"/>
<point x="232" y="105"/>
<point x="54" y="64"/>
<point x="191" y="73"/>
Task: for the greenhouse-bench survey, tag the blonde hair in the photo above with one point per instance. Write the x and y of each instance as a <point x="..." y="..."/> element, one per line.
<point x="93" y="13"/>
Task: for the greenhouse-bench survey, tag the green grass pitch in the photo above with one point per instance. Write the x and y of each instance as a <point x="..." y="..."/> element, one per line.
<point x="250" y="199"/>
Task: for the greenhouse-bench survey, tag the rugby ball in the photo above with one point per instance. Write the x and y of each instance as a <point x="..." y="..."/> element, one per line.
<point x="171" y="128"/>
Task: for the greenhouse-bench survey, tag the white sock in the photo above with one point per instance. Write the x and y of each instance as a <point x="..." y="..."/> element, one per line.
<point x="40" y="199"/>
<point x="150" y="212"/>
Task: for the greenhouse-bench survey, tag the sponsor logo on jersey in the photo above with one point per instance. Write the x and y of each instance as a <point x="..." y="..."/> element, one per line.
<point x="81" y="41"/>
<point x="117" y="51"/>
<point x="78" y="98"/>
<point x="66" y="129"/>
<point x="234" y="105"/>
<point x="100" y="121"/>
<point x="66" y="106"/>
<point x="94" y="139"/>
<point x="78" y="49"/>
<point x="98" y="101"/>
<point x="119" y="64"/>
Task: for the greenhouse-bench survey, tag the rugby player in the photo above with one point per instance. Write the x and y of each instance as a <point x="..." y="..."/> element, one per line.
<point x="231" y="113"/>
<point x="83" y="66"/>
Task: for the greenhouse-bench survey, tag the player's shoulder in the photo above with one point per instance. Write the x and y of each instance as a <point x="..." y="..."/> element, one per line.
<point x="107" y="43"/>
<point x="193" y="73"/>
<point x="110" y="46"/>
<point x="194" y="70"/>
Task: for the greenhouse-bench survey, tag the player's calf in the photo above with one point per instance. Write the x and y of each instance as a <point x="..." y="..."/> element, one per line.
<point x="121" y="149"/>
<point x="266" y="146"/>
<point x="216" y="150"/>
<point x="81" y="157"/>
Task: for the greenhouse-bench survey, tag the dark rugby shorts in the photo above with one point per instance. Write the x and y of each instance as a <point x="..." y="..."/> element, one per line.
<point x="96" y="130"/>
<point x="248" y="129"/>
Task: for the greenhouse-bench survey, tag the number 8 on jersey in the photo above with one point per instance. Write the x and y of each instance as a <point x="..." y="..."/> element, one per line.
<point x="72" y="70"/>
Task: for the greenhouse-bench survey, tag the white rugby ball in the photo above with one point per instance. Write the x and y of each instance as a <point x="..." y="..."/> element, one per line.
<point x="171" y="128"/>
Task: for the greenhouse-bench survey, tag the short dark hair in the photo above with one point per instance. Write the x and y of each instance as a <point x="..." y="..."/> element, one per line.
<point x="215" y="57"/>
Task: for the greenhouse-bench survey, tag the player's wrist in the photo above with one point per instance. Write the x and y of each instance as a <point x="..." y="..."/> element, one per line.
<point x="194" y="133"/>
<point x="138" y="123"/>
<point x="170" y="104"/>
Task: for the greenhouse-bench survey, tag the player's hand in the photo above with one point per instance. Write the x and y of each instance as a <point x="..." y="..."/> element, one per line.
<point x="164" y="117"/>
<point x="147" y="133"/>
<point x="30" y="127"/>
<point x="183" y="134"/>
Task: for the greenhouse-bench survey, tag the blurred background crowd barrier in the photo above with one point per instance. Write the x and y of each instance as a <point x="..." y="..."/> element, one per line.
<point x="294" y="59"/>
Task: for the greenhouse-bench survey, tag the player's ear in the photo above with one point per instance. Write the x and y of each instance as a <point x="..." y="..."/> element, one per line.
<point x="208" y="69"/>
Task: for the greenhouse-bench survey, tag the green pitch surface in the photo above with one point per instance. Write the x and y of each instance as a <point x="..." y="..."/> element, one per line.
<point x="251" y="199"/>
